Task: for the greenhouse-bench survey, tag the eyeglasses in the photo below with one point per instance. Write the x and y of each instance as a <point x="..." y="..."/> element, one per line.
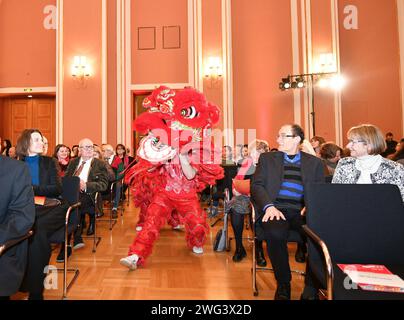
<point x="88" y="148"/>
<point x="284" y="135"/>
<point x="355" y="141"/>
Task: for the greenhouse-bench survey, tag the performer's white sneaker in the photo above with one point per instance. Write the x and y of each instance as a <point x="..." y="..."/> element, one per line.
<point x="130" y="261"/>
<point x="139" y="228"/>
<point x="177" y="227"/>
<point x="197" y="250"/>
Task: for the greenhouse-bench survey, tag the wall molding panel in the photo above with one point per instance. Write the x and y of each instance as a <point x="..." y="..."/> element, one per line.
<point x="59" y="73"/>
<point x="228" y="123"/>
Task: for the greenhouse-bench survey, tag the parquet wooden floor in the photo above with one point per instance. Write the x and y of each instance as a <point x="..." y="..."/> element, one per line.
<point x="172" y="272"/>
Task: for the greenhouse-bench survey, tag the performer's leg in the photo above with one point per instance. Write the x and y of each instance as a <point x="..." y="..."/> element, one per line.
<point x="174" y="220"/>
<point x="142" y="215"/>
<point x="156" y="216"/>
<point x="194" y="218"/>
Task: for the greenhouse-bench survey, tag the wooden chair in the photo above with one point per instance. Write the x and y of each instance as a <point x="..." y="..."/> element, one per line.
<point x="70" y="193"/>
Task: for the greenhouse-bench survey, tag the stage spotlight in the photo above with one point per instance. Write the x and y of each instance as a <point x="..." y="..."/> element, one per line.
<point x="299" y="82"/>
<point x="285" y="84"/>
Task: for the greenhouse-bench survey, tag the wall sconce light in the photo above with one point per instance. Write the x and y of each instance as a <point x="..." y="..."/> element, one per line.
<point x="80" y="69"/>
<point x="214" y="70"/>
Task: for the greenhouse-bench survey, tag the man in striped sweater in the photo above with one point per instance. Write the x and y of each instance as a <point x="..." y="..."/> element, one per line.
<point x="277" y="189"/>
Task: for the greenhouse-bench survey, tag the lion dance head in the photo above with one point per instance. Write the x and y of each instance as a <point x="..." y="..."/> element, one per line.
<point x="174" y="118"/>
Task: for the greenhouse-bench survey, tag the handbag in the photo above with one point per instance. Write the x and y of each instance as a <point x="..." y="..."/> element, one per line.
<point x="220" y="243"/>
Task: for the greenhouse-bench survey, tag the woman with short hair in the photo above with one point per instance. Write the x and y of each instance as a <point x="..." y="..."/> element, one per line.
<point x="331" y="154"/>
<point x="366" y="165"/>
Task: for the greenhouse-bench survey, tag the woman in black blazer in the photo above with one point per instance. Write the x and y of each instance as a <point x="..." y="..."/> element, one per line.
<point x="17" y="214"/>
<point x="46" y="183"/>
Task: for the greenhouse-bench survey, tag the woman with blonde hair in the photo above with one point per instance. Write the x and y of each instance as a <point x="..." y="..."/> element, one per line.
<point x="366" y="165"/>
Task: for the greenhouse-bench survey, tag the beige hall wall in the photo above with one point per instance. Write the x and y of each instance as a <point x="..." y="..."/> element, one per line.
<point x="82" y="103"/>
<point x="262" y="55"/>
<point x="27" y="48"/>
<point x="157" y="59"/>
<point x="370" y="59"/>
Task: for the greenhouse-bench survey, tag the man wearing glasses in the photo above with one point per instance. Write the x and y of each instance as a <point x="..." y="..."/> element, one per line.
<point x="277" y="189"/>
<point x="93" y="178"/>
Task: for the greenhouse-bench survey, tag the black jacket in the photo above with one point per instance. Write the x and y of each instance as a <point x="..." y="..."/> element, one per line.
<point x="17" y="215"/>
<point x="50" y="183"/>
<point x="268" y="177"/>
<point x="97" y="180"/>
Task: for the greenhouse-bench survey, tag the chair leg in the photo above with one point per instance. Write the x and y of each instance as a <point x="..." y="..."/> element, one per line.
<point x="254" y="272"/>
<point x="76" y="271"/>
<point x="96" y="240"/>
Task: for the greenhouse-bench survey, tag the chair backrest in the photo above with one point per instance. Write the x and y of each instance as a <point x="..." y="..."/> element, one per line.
<point x="359" y="223"/>
<point x="230" y="171"/>
<point x="70" y="193"/>
<point x="71" y="189"/>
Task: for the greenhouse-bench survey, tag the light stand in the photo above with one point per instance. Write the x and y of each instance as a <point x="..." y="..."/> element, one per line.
<point x="295" y="81"/>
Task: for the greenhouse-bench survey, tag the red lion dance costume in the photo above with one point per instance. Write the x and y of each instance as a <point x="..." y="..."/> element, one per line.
<point x="176" y="160"/>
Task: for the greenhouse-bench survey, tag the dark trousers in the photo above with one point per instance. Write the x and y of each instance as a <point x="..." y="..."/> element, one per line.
<point x="48" y="220"/>
<point x="237" y="223"/>
<point x="87" y="206"/>
<point x="277" y="232"/>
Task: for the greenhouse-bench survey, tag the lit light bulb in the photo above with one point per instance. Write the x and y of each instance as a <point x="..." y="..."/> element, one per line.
<point x="337" y="82"/>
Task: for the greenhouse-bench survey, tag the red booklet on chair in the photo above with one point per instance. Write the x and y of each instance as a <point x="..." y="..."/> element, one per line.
<point x="373" y="277"/>
<point x="39" y="200"/>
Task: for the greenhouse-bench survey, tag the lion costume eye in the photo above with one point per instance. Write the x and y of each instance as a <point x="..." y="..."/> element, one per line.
<point x="189" y="113"/>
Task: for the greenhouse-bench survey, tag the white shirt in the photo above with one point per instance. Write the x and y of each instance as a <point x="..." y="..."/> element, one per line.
<point x="86" y="169"/>
<point x="109" y="160"/>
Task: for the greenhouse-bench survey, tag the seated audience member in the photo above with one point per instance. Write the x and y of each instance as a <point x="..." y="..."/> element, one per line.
<point x="45" y="146"/>
<point x="365" y="165"/>
<point x="120" y="162"/>
<point x="399" y="154"/>
<point x="93" y="178"/>
<point x="316" y="143"/>
<point x="278" y="191"/>
<point x="62" y="155"/>
<point x="218" y="190"/>
<point x="111" y="172"/>
<point x="307" y="147"/>
<point x="49" y="218"/>
<point x="239" y="204"/>
<point x="108" y="155"/>
<point x="6" y="145"/>
<point x="242" y="153"/>
<point x="12" y="153"/>
<point x="17" y="215"/>
<point x="390" y="145"/>
<point x="227" y="155"/>
<point x="75" y="151"/>
<point x="111" y="178"/>
<point x="331" y="154"/>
